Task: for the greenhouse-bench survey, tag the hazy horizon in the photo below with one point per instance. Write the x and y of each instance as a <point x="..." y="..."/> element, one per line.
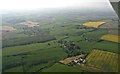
<point x="25" y="5"/>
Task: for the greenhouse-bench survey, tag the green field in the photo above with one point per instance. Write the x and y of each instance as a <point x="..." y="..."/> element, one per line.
<point x="39" y="55"/>
<point x="34" y="55"/>
<point x="37" y="49"/>
<point x="57" y="67"/>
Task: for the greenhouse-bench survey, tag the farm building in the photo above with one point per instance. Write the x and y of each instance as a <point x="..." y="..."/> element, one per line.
<point x="94" y="24"/>
<point x="79" y="60"/>
<point x="68" y="60"/>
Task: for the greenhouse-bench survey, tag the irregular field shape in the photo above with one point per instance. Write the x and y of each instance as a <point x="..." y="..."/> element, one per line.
<point x="113" y="38"/>
<point x="93" y="24"/>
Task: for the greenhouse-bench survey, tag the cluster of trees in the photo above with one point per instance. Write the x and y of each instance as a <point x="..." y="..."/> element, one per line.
<point x="70" y="47"/>
<point x="35" y="30"/>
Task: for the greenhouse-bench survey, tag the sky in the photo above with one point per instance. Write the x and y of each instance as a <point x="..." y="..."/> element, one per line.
<point x="41" y="4"/>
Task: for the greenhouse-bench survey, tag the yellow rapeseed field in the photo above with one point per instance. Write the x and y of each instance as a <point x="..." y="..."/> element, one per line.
<point x="93" y="24"/>
<point x="109" y="37"/>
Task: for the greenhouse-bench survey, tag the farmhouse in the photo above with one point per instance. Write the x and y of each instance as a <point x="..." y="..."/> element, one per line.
<point x="94" y="24"/>
<point x="80" y="60"/>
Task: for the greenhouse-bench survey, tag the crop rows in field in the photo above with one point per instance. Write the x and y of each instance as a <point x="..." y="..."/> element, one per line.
<point x="102" y="60"/>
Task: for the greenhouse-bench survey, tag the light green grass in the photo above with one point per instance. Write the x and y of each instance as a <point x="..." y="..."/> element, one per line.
<point x="57" y="67"/>
<point x="38" y="54"/>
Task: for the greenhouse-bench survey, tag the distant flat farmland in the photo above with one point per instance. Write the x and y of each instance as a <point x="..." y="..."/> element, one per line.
<point x="103" y="61"/>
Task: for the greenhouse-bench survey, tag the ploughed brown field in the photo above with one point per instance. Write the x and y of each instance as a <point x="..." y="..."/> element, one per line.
<point x="31" y="24"/>
<point x="7" y="28"/>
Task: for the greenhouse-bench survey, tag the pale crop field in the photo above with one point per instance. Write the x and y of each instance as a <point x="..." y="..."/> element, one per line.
<point x="113" y="38"/>
<point x="93" y="24"/>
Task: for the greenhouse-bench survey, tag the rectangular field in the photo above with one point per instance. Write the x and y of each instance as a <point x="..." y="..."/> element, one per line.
<point x="103" y="61"/>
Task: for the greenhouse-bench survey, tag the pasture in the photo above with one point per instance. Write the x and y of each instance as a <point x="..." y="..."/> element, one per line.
<point x="57" y="67"/>
<point x="33" y="57"/>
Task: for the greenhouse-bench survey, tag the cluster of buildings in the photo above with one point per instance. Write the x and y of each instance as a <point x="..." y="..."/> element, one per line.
<point x="80" y="60"/>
